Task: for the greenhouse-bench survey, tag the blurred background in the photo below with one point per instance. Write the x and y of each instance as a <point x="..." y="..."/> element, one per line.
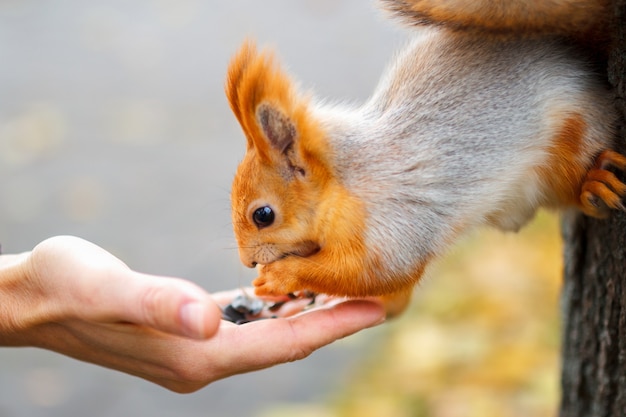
<point x="114" y="127"/>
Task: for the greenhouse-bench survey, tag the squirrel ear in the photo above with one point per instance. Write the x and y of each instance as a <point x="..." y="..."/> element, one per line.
<point x="276" y="126"/>
<point x="274" y="116"/>
<point x="263" y="98"/>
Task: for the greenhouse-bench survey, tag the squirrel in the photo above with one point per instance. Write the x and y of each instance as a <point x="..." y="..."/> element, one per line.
<point x="486" y="115"/>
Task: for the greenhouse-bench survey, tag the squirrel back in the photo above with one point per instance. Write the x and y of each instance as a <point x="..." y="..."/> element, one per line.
<point x="464" y="129"/>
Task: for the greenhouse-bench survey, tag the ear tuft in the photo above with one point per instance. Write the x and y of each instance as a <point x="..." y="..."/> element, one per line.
<point x="263" y="98"/>
<point x="276" y="126"/>
<point x="276" y="118"/>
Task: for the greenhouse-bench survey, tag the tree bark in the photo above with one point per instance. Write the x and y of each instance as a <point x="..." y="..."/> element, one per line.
<point x="594" y="293"/>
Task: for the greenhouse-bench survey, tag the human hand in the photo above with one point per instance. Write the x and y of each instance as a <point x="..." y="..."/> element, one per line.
<point x="72" y="297"/>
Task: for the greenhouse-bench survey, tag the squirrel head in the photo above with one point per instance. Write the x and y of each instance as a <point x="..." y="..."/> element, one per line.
<point x="284" y="172"/>
<point x="292" y="214"/>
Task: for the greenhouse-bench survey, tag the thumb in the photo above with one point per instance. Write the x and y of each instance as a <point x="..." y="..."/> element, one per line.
<point x="85" y="281"/>
<point x="170" y="305"/>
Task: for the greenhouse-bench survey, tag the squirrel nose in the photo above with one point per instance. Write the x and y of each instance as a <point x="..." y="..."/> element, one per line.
<point x="247" y="260"/>
<point x="250" y="263"/>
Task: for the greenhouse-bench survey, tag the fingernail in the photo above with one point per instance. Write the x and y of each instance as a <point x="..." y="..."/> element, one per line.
<point x="192" y="318"/>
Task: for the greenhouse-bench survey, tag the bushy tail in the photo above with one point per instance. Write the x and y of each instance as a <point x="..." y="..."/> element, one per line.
<point x="572" y="18"/>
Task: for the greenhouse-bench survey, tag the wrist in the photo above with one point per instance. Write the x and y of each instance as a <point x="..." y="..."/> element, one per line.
<point x="21" y="301"/>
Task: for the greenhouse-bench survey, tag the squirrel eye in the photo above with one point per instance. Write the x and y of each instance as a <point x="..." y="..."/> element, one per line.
<point x="263" y="216"/>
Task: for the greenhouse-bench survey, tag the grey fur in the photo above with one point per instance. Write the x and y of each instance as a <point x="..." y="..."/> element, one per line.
<point x="453" y="133"/>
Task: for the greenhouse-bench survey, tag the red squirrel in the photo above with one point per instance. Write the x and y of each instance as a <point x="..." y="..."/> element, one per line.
<point x="486" y="115"/>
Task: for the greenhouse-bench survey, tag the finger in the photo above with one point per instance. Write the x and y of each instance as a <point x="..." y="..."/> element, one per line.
<point x="101" y="287"/>
<point x="223" y="298"/>
<point x="171" y="305"/>
<point x="168" y="360"/>
<point x="284" y="306"/>
<point x="269" y="342"/>
<point x="184" y="365"/>
<point x="334" y="322"/>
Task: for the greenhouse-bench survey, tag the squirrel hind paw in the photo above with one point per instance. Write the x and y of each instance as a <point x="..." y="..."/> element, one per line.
<point x="602" y="190"/>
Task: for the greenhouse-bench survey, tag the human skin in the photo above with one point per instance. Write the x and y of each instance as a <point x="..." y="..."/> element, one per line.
<point x="73" y="297"/>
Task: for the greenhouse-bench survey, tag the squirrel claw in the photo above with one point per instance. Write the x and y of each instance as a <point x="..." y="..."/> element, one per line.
<point x="264" y="285"/>
<point x="602" y="190"/>
<point x="261" y="287"/>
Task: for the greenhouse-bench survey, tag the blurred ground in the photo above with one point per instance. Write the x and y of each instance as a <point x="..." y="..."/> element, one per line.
<point x="114" y="127"/>
<point x="482" y="337"/>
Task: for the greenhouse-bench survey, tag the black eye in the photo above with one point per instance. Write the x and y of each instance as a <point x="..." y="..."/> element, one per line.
<point x="263" y="217"/>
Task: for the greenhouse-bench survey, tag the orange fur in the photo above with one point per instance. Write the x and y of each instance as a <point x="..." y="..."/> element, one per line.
<point x="316" y="208"/>
<point x="601" y="189"/>
<point x="578" y="18"/>
<point x="344" y="266"/>
<point x="253" y="78"/>
<point x="318" y="240"/>
<point x="570" y="182"/>
<point x="563" y="173"/>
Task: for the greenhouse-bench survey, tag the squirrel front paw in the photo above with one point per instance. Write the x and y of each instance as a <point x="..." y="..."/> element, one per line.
<point x="277" y="279"/>
<point x="602" y="190"/>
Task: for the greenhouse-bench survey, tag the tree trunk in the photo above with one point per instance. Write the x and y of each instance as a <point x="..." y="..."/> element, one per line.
<point x="594" y="293"/>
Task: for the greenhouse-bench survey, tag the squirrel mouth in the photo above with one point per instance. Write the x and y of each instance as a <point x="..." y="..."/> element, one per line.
<point x="304" y="249"/>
